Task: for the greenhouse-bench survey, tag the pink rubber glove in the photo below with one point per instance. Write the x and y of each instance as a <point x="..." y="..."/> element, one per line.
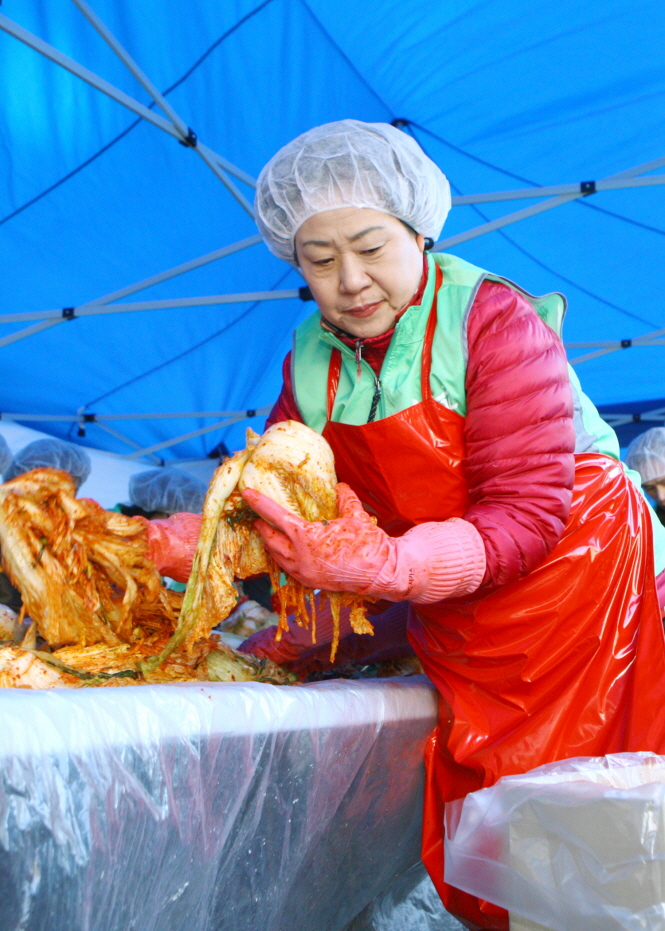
<point x="430" y="562"/>
<point x="172" y="542"/>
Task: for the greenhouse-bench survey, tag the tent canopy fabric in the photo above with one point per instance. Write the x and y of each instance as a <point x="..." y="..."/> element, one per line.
<point x="93" y="198"/>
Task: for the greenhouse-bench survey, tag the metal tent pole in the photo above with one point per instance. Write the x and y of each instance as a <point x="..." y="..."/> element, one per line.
<point x="156" y="94"/>
<point x="211" y="158"/>
<point x="582" y="187"/>
<point x="187" y="136"/>
<point x="125" y="439"/>
<point x="48" y="51"/>
<point x="92" y="310"/>
<point x="619" y="419"/>
<point x="614" y="346"/>
<point x="88" y="417"/>
<point x="59" y="316"/>
<point x="28" y="331"/>
<point x="129" y="62"/>
<point x="617" y="343"/>
<point x="178" y="270"/>
<point x="101" y="420"/>
<point x="194" y="433"/>
<point x="543" y="206"/>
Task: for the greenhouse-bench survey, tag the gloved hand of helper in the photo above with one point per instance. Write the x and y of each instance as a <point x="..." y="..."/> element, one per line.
<point x="297" y="640"/>
<point x="264" y="643"/>
<point x="172" y="543"/>
<point x="296" y="650"/>
<point x="430" y="562"/>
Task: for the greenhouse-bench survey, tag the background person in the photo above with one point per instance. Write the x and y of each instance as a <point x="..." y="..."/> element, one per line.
<point x="54" y="454"/>
<point x="46" y="453"/>
<point x="162" y="492"/>
<point x="646" y="455"/>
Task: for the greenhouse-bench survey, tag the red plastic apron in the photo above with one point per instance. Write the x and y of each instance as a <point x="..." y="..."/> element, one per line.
<point x="568" y="661"/>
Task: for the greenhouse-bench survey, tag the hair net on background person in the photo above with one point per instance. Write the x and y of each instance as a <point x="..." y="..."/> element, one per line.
<point x="349" y="164"/>
<point x="646" y="454"/>
<point x="5" y="454"/>
<point x="55" y="454"/>
<point x="168" y="490"/>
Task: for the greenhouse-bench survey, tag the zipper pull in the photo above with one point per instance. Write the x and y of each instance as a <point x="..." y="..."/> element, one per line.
<point x="359" y="357"/>
<point x="378" y="391"/>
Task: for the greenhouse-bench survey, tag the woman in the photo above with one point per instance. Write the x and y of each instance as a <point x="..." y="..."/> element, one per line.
<point x="502" y="513"/>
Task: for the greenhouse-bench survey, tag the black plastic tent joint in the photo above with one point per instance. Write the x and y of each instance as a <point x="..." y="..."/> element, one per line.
<point x="191" y="140"/>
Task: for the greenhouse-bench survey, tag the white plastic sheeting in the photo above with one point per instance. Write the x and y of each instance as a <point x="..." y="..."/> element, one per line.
<point x="411" y="903"/>
<point x="209" y="806"/>
<point x="570" y="845"/>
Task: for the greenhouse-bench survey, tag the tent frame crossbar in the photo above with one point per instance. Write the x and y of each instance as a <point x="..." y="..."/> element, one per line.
<point x="543" y="206"/>
<point x="178" y="270"/>
<point x="91" y="310"/>
<point x="124" y="439"/>
<point x="101" y="420"/>
<point x="86" y="418"/>
<point x="187" y="136"/>
<point x="242" y="415"/>
<point x="619" y="419"/>
<point x="65" y="314"/>
<point x="618" y="343"/>
<point x="132" y="66"/>
<point x="583" y="188"/>
<point x="212" y="159"/>
<point x="648" y="339"/>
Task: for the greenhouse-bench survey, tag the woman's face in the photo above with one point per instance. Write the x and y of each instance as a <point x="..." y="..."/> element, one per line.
<point x="361" y="266"/>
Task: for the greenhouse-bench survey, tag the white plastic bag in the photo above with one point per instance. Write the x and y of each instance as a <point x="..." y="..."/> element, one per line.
<point x="570" y="845"/>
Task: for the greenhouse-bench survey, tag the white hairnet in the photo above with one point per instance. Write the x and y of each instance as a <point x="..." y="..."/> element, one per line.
<point x="55" y="454"/>
<point x="349" y="164"/>
<point x="169" y="490"/>
<point x="646" y="454"/>
<point x="5" y="454"/>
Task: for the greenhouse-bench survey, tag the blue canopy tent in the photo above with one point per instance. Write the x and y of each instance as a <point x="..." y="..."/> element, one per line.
<point x="97" y="194"/>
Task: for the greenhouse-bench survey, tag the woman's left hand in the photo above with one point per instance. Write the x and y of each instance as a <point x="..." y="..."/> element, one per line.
<point x="341" y="555"/>
<point x="430" y="562"/>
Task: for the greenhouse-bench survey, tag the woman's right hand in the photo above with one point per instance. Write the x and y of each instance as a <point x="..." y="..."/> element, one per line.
<point x="172" y="543"/>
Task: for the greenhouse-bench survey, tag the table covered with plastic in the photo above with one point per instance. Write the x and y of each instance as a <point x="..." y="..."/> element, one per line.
<point x="207" y="807"/>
